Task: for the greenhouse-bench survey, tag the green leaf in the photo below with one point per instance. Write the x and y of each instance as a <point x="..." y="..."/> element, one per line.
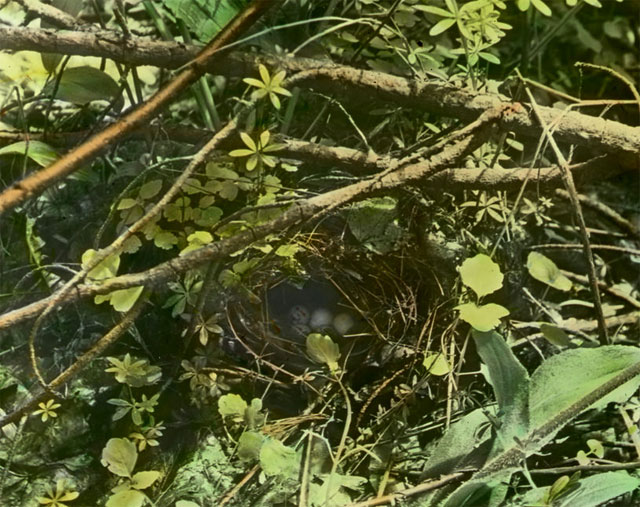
<point x="544" y="270"/>
<point x="120" y="456"/>
<point x="142" y="480"/>
<point x="481" y="274"/>
<point x="197" y="240"/>
<point x="592" y="491"/>
<point x="542" y="7"/>
<point x="442" y="26"/>
<point x="374" y="223"/>
<point x="150" y="189"/>
<point x="483" y="317"/>
<point x="596" y="448"/>
<point x="289" y="250"/>
<point x="462" y="444"/>
<point x="510" y="382"/>
<point x="81" y="85"/>
<point x="436" y="364"/>
<point x="209" y="217"/>
<point x="165" y="240"/>
<point x="490" y="491"/>
<point x="568" y="383"/>
<point x="276" y="459"/>
<point x="122" y="300"/>
<point x="555" y="335"/>
<point x="127" y="498"/>
<point x="434" y="10"/>
<point x="249" y="445"/>
<point x="232" y="405"/>
<point x="205" y="19"/>
<point x="41" y="153"/>
<point x="107" y="268"/>
<point x="132" y="244"/>
<point x="322" y="349"/>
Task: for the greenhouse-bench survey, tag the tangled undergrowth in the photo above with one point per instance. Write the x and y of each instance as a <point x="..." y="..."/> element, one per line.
<point x="364" y="255"/>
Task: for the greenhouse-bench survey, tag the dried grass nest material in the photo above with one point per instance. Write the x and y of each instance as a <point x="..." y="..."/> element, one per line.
<point x="277" y="329"/>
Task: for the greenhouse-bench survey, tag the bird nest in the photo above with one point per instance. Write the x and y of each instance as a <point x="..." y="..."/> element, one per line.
<point x="362" y="302"/>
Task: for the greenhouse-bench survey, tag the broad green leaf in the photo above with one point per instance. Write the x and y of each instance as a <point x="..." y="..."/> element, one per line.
<point x="197" y="240"/>
<point x="51" y="60"/>
<point x="463" y="444"/>
<point x="574" y="380"/>
<point x="142" y="480"/>
<point x="165" y="240"/>
<point x="205" y="19"/>
<point x="80" y="85"/>
<point x="544" y="270"/>
<point x="331" y="492"/>
<point x="120" y="456"/>
<point x="555" y="335"/>
<point x="41" y="153"/>
<point x="481" y="274"/>
<point x="209" y="217"/>
<point x="232" y="405"/>
<point x="126" y="203"/>
<point x="490" y="492"/>
<point x="122" y="300"/>
<point x="150" y="189"/>
<point x="215" y="171"/>
<point x="592" y="491"/>
<point x="484" y="317"/>
<point x="107" y="268"/>
<point x="186" y="503"/>
<point x="289" y="250"/>
<point x="276" y="459"/>
<point x="374" y="223"/>
<point x="436" y="364"/>
<point x="249" y="445"/>
<point x="127" y="498"/>
<point x="322" y="349"/>
<point x="132" y="244"/>
<point x="510" y="382"/>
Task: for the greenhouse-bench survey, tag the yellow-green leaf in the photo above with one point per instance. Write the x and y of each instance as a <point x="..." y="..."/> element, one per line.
<point x="107" y="268"/>
<point x="150" y="189"/>
<point x="119" y="456"/>
<point x="436" y="364"/>
<point x="484" y="317"/>
<point x="41" y="153"/>
<point x="142" y="480"/>
<point x="545" y="270"/>
<point x="122" y="300"/>
<point x="322" y="349"/>
<point x="481" y="274"/>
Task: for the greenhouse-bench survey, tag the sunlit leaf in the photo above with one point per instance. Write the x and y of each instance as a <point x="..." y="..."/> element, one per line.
<point x="322" y="349"/>
<point x="122" y="300"/>
<point x="481" y="274"/>
<point x="41" y="153"/>
<point x="544" y="270"/>
<point x="142" y="480"/>
<point x="120" y="456"/>
<point x="277" y="459"/>
<point x="484" y="317"/>
<point x="81" y="85"/>
<point x="436" y="364"/>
